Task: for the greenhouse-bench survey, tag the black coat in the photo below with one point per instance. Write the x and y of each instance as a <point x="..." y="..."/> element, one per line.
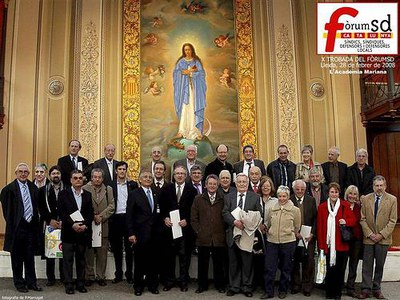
<point x="342" y="175"/>
<point x="309" y="217"/>
<point x="274" y="171"/>
<point x="238" y="167"/>
<point x="216" y="166"/>
<point x="48" y="203"/>
<point x="324" y="192"/>
<point x="102" y="164"/>
<point x="66" y="166"/>
<point x="365" y="186"/>
<point x="131" y="186"/>
<point x="66" y="206"/>
<point x="13" y="211"/>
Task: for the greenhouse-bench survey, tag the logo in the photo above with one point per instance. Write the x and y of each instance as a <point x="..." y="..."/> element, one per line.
<point x="357" y="28"/>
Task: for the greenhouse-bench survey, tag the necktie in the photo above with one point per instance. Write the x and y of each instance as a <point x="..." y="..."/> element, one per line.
<point x="241" y="201"/>
<point x="197" y="186"/>
<point x="158" y="184"/>
<point x="148" y="194"/>
<point x="249" y="164"/>
<point x="376" y="207"/>
<point x="28" y="211"/>
<point x="212" y="199"/>
<point x="74" y="162"/>
<point x="255" y="189"/>
<point x="179" y="193"/>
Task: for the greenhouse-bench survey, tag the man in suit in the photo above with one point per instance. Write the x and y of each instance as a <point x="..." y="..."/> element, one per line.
<point x="76" y="235"/>
<point x="254" y="176"/>
<point x="361" y="174"/>
<point x="107" y="164"/>
<point x="308" y="209"/>
<point x="249" y="161"/>
<point x="196" y="176"/>
<point x="159" y="176"/>
<point x="48" y="202"/>
<point x="20" y="210"/>
<point x="315" y="187"/>
<point x="282" y="171"/>
<point x="220" y="163"/>
<point x="103" y="205"/>
<point x="178" y="196"/>
<point x="72" y="162"/>
<point x="143" y="224"/>
<point x="334" y="170"/>
<point x="190" y="160"/>
<point x="378" y="219"/>
<point x="117" y="223"/>
<point x="241" y="269"/>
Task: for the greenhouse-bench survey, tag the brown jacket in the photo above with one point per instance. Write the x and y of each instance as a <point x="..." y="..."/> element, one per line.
<point x="207" y="220"/>
<point x="385" y="221"/>
<point x="103" y="204"/>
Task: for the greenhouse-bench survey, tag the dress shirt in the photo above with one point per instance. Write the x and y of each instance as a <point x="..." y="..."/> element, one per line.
<point x="316" y="193"/>
<point x="246" y="166"/>
<point x="122" y="197"/>
<point x="198" y="187"/>
<point x="110" y="165"/>
<point x="189" y="165"/>
<point x="149" y="193"/>
<point x="27" y="205"/>
<point x="182" y="187"/>
<point x="334" y="172"/>
<point x="212" y="197"/>
<point x="78" y="197"/>
<point x="159" y="183"/>
<point x="74" y="160"/>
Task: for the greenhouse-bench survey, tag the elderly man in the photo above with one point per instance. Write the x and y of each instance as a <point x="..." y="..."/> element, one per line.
<point x="241" y="269"/>
<point x="103" y="205"/>
<point x="190" y="160"/>
<point x="249" y="161"/>
<point x="308" y="210"/>
<point x="20" y="210"/>
<point x="315" y="188"/>
<point x="208" y="224"/>
<point x="334" y="170"/>
<point x="71" y="162"/>
<point x="225" y="180"/>
<point x="76" y="232"/>
<point x="220" y="163"/>
<point x="107" y="164"/>
<point x="255" y="176"/>
<point x="361" y="174"/>
<point x="378" y="219"/>
<point x="156" y="156"/>
<point x="282" y="170"/>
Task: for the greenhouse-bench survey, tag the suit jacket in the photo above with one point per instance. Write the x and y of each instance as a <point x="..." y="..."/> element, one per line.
<point x="324" y="192"/>
<point x="309" y="215"/>
<point x="48" y="203"/>
<point x="238" y="167"/>
<point x="252" y="202"/>
<point x="103" y="204"/>
<point x="385" y="220"/>
<point x="216" y="166"/>
<point x="342" y="175"/>
<point x="66" y="166"/>
<point x="131" y="186"/>
<point x="156" y="189"/>
<point x="148" y="165"/>
<point x="354" y="177"/>
<point x="66" y="206"/>
<point x="102" y="164"/>
<point x="169" y="202"/>
<point x="13" y="211"/>
<point x="183" y="162"/>
<point x="274" y="171"/>
<point x="141" y="220"/>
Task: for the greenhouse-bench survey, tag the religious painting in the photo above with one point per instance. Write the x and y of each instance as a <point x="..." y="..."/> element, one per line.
<point x="188" y="78"/>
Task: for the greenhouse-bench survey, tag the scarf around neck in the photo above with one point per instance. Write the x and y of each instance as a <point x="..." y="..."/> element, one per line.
<point x="331" y="231"/>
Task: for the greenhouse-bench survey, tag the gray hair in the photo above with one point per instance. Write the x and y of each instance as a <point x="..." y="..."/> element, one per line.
<point x="283" y="189"/>
<point x="361" y="150"/>
<point x="20" y="165"/>
<point x="351" y="188"/>
<point x="225" y="172"/>
<point x="212" y="176"/>
<point x="379" y="178"/>
<point x="314" y="171"/>
<point x="335" y="149"/>
<point x="98" y="170"/>
<point x="298" y="181"/>
<point x="242" y="175"/>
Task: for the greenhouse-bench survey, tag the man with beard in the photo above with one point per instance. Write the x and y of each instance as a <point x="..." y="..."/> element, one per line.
<point x="48" y="203"/>
<point x="315" y="188"/>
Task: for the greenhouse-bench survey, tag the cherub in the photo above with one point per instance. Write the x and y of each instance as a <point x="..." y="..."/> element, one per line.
<point x="156" y="22"/>
<point x="222" y="40"/>
<point x="151" y="39"/>
<point x="151" y="73"/>
<point x="153" y="89"/>
<point x="226" y="77"/>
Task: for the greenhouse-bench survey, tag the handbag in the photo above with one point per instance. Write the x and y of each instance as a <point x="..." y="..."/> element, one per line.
<point x="52" y="242"/>
<point x="345" y="231"/>
<point x="321" y="268"/>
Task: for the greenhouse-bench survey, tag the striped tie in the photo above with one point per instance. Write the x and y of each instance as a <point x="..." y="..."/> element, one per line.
<point x="28" y="211"/>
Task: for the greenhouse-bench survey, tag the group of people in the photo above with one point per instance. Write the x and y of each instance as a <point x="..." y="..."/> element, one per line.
<point x="251" y="219"/>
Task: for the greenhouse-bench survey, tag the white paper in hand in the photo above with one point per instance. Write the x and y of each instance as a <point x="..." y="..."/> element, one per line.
<point x="77" y="216"/>
<point x="305" y="232"/>
<point x="176" y="229"/>
<point x="236" y="213"/>
<point x="96" y="235"/>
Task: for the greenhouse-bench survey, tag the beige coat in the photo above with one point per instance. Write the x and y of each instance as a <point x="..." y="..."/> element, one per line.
<point x="385" y="221"/>
<point x="102" y="204"/>
<point x="283" y="222"/>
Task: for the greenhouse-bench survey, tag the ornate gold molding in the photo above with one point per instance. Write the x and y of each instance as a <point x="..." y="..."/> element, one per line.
<point x="245" y="71"/>
<point x="287" y="105"/>
<point x="131" y="86"/>
<point x="89" y="91"/>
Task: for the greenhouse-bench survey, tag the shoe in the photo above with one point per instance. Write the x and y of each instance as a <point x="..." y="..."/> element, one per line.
<point x="352" y="294"/>
<point x="116" y="280"/>
<point x="248" y="294"/>
<point x="129" y="280"/>
<point x="378" y="295"/>
<point x="221" y="290"/>
<point x="69" y="291"/>
<point x="363" y="295"/>
<point x="89" y="282"/>
<point x="155" y="292"/>
<point x="82" y="289"/>
<point x="22" y="289"/>
<point x="184" y="288"/>
<point x="138" y="293"/>
<point x="266" y="296"/>
<point x="167" y="288"/>
<point x="230" y="293"/>
<point x="307" y="294"/>
<point x="282" y="295"/>
<point x="35" y="287"/>
<point x="102" y="282"/>
<point x="200" y="290"/>
<point x="50" y="282"/>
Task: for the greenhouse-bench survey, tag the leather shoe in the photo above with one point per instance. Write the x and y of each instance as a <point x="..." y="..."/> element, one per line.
<point x="221" y="290"/>
<point x="116" y="280"/>
<point x="22" y="289"/>
<point x="89" y="282"/>
<point x="199" y="290"/>
<point x="82" y="289"/>
<point x="69" y="291"/>
<point x="155" y="292"/>
<point x="282" y="295"/>
<point x="363" y="295"/>
<point x="35" y="287"/>
<point x="230" y="293"/>
<point x="138" y="293"/>
<point x="102" y="282"/>
<point x="307" y="294"/>
<point x="167" y="288"/>
<point x="248" y="294"/>
<point x="378" y="295"/>
<point x="50" y="282"/>
<point x="266" y="296"/>
<point x="184" y="288"/>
